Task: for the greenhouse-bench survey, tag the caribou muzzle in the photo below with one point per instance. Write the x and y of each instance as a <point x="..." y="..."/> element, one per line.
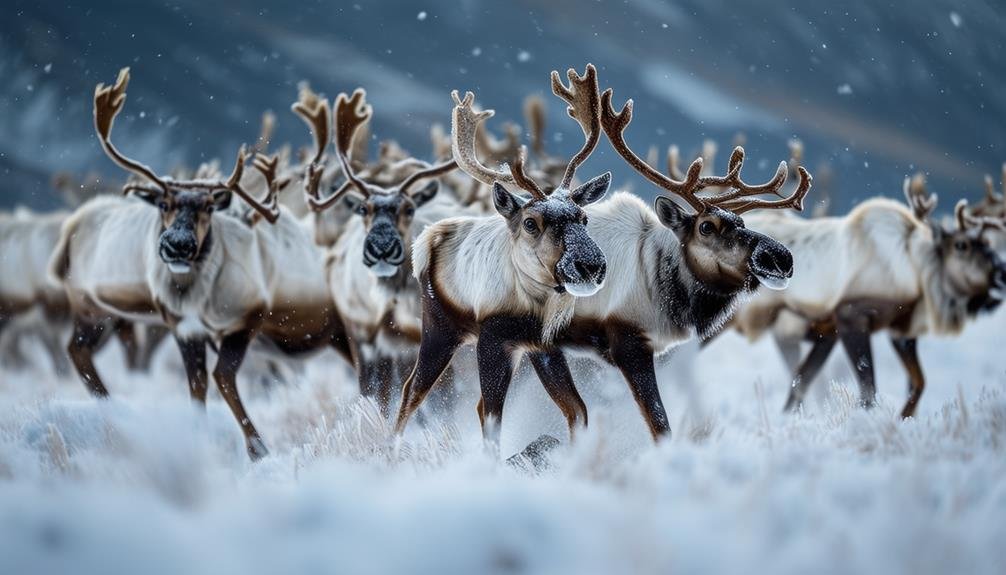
<point x="998" y="289"/>
<point x="179" y="248"/>
<point x="771" y="262"/>
<point x="383" y="250"/>
<point x="581" y="269"/>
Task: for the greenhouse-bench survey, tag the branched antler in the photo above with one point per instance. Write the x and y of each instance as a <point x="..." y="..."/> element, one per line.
<point x="317" y="114"/>
<point x="738" y="200"/>
<point x="583" y="106"/>
<point x="465" y="121"/>
<point x="966" y="220"/>
<point x="108" y="102"/>
<point x="351" y="112"/>
<point x="919" y="199"/>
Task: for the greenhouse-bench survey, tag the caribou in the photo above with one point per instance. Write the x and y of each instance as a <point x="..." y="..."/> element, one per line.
<point x="883" y="266"/>
<point x="174" y="252"/>
<point x="510" y="280"/>
<point x="368" y="267"/>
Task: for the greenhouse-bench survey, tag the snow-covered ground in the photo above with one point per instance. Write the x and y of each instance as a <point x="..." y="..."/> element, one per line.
<point x="146" y="483"/>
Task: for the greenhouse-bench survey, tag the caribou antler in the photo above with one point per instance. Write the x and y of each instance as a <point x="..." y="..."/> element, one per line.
<point x="673" y="163"/>
<point x="534" y="114"/>
<point x="966" y="220"/>
<point x="265" y="134"/>
<point x="351" y="112"/>
<point x="737" y="200"/>
<point x="317" y="114"/>
<point x="108" y="102"/>
<point x="584" y="107"/>
<point x="465" y="121"/>
<point x="919" y="199"/>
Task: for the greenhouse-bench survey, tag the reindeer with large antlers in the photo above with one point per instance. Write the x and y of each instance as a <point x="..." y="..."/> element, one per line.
<point x="369" y="267"/>
<point x="509" y="282"/>
<point x="884" y="266"/>
<point x="192" y="265"/>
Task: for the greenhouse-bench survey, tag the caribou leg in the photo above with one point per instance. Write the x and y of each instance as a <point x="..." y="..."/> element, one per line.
<point x="907" y="350"/>
<point x="194" y="357"/>
<point x="808" y="370"/>
<point x="85" y="339"/>
<point x="154" y="335"/>
<point x="125" y="331"/>
<point x="853" y="325"/>
<point x="633" y="356"/>
<point x="440" y="339"/>
<point x="494" y="351"/>
<point x="553" y="371"/>
<point x="384" y="375"/>
<point x="232" y="353"/>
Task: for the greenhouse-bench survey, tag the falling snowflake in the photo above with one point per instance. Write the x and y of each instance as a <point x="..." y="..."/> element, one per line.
<point x="956" y="19"/>
<point x="845" y="90"/>
<point x="523" y="56"/>
<point x="421" y="16"/>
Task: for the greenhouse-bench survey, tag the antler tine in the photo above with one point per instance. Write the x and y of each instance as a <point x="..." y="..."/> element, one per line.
<point x="614" y="124"/>
<point x="582" y="95"/>
<point x="673" y="163"/>
<point x="990" y="190"/>
<point x="265" y="134"/>
<point x="534" y="114"/>
<point x="431" y="172"/>
<point x="521" y="177"/>
<point x="268" y="207"/>
<point x="108" y="102"/>
<point x="464" y="124"/>
<point x="921" y="202"/>
<point x="351" y="112"/>
<point x="794" y="200"/>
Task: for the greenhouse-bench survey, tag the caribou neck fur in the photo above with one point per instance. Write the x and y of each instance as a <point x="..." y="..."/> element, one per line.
<point x="649" y="284"/>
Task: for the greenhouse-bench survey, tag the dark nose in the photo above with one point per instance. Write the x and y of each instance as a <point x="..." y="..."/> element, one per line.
<point x="383" y="245"/>
<point x="773" y="257"/>
<point x="591" y="270"/>
<point x="177" y="245"/>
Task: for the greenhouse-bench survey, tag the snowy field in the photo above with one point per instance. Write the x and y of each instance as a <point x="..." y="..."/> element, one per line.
<point x="145" y="483"/>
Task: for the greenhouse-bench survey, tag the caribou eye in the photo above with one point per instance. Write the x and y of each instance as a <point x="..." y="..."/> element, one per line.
<point x="163" y="206"/>
<point x="361" y="209"/>
<point x="961" y="246"/>
<point x="706" y="228"/>
<point x="530" y="225"/>
<point x="410" y="211"/>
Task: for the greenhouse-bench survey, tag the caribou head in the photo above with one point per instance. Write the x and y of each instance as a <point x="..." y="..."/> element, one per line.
<point x="718" y="250"/>
<point x="551" y="246"/>
<point x="387" y="210"/>
<point x="186" y="206"/>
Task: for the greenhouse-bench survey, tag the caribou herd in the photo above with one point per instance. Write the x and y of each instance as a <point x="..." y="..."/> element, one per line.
<point x="395" y="263"/>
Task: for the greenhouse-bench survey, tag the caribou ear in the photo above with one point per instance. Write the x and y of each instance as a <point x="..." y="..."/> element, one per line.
<point x="222" y="200"/>
<point x="427" y="193"/>
<point x="507" y="204"/>
<point x="152" y="197"/>
<point x="672" y="216"/>
<point x="591" y="191"/>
